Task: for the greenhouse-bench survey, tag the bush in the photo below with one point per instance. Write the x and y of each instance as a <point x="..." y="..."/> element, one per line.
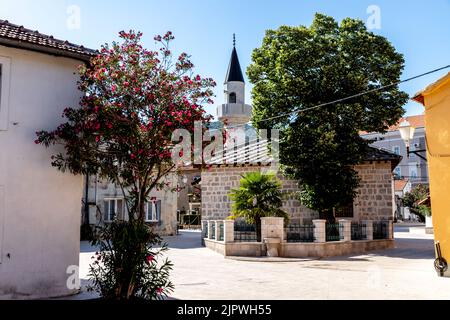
<point x="127" y="266"/>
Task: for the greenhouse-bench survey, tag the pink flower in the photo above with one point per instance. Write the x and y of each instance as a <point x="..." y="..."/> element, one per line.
<point x="150" y="259"/>
<point x="114" y="88"/>
<point x="159" y="290"/>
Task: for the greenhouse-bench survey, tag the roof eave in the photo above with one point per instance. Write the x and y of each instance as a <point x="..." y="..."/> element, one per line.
<point x="420" y="96"/>
<point x="86" y="58"/>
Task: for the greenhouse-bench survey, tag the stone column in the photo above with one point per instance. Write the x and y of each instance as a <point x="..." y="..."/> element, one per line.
<point x="217" y="234"/>
<point x="346" y="229"/>
<point x="390" y="227"/>
<point x="272" y="227"/>
<point x="369" y="229"/>
<point x="320" y="231"/>
<point x="228" y="231"/>
<point x="272" y="234"/>
<point x="210" y="229"/>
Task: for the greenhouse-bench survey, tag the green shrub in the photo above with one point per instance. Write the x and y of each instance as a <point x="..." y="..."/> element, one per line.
<point x="127" y="266"/>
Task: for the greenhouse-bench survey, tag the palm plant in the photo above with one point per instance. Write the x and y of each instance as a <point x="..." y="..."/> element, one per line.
<point x="259" y="195"/>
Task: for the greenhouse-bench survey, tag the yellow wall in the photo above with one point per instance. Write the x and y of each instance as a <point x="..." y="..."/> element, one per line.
<point x="437" y="118"/>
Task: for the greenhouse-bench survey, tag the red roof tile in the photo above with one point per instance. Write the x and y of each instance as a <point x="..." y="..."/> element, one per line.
<point x="417" y="121"/>
<point x="17" y="36"/>
<point x="399" y="185"/>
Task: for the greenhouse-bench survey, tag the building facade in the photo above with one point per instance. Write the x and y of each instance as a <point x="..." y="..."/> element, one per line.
<point x="39" y="205"/>
<point x="412" y="168"/>
<point x="436" y="100"/>
<point x="106" y="203"/>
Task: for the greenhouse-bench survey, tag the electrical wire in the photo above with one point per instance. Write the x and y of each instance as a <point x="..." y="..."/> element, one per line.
<point x="346" y="98"/>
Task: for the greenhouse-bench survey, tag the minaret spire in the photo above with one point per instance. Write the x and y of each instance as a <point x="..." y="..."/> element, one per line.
<point x="235" y="111"/>
<point x="234" y="69"/>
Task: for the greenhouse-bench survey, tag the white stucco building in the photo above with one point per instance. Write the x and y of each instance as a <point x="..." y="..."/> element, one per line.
<point x="39" y="206"/>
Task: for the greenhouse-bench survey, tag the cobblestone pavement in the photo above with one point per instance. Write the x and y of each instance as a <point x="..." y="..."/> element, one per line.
<point x="405" y="272"/>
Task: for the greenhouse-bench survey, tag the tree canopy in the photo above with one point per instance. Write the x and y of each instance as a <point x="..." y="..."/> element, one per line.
<point x="299" y="68"/>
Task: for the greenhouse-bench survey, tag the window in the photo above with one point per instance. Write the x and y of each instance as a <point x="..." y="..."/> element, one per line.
<point x="396" y="150"/>
<point x="412" y="155"/>
<point x="398" y="172"/>
<point x="113" y="209"/>
<point x="413" y="170"/>
<point x="153" y="211"/>
<point x="232" y="97"/>
<point x="4" y="91"/>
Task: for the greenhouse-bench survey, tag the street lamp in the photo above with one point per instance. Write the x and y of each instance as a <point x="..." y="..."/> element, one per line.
<point x="407" y="132"/>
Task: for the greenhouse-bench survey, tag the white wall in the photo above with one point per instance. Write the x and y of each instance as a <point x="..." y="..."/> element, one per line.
<point x="40" y="214"/>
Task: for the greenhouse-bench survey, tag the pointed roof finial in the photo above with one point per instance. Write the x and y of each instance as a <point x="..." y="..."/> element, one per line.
<point x="234" y="69"/>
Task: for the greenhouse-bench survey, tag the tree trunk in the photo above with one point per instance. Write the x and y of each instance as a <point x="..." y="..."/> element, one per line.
<point x="258" y="229"/>
<point x="327" y="214"/>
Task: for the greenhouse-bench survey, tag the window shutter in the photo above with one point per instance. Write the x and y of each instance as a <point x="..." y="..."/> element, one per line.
<point x="158" y="212"/>
<point x="119" y="210"/>
<point x="106" y="210"/>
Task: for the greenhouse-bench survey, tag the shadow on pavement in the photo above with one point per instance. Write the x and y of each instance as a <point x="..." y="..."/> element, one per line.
<point x="185" y="240"/>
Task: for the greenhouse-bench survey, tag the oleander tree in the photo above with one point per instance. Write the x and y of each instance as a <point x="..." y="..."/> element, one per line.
<point x="296" y="72"/>
<point x="134" y="99"/>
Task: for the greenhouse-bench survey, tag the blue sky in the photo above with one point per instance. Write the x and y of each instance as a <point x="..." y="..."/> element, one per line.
<point x="203" y="28"/>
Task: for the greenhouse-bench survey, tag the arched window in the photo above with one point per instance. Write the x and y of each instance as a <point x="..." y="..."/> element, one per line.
<point x="232" y="98"/>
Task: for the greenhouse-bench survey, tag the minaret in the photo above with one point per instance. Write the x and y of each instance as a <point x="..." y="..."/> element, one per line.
<point x="234" y="112"/>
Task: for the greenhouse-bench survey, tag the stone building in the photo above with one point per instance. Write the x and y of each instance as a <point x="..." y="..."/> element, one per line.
<point x="375" y="200"/>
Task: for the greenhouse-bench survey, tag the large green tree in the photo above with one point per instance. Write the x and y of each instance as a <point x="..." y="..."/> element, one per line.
<point x="299" y="68"/>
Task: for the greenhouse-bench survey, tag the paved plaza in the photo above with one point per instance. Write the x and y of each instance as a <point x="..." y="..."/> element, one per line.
<point x="405" y="272"/>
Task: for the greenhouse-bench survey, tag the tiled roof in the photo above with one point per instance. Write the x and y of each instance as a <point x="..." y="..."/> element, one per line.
<point x="400" y="185"/>
<point x="378" y="154"/>
<point x="417" y="121"/>
<point x="12" y="35"/>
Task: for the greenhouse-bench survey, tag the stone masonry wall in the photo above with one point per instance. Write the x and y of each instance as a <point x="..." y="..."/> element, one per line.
<point x="217" y="183"/>
<point x="374" y="200"/>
